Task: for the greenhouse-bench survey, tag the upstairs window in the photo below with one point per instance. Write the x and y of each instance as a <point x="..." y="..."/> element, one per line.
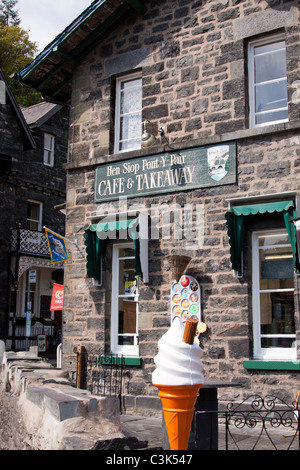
<point x="34" y="215"/>
<point x="49" y="141"/>
<point x="128" y="121"/>
<point x="268" y="82"/>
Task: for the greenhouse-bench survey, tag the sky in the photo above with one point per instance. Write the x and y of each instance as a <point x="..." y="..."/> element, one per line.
<point x="45" y="19"/>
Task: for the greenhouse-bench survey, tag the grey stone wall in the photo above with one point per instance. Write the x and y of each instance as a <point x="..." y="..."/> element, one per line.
<point x="192" y="56"/>
<point x="11" y="148"/>
<point x="41" y="410"/>
<point x="26" y="177"/>
<point x="34" y="180"/>
<point x="52" y="180"/>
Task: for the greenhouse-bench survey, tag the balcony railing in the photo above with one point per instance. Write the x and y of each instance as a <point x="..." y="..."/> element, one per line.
<point x="29" y="242"/>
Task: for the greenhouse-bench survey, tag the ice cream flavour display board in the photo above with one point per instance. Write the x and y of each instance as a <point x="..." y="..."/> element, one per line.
<point x="186" y="299"/>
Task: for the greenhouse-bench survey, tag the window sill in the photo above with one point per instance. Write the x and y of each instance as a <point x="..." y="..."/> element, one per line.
<point x="116" y="360"/>
<point x="132" y="361"/>
<point x="272" y="365"/>
<point x="212" y="140"/>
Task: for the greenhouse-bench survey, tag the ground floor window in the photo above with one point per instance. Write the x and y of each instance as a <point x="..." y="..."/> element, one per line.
<point x="124" y="305"/>
<point x="35" y="288"/>
<point x="273" y="296"/>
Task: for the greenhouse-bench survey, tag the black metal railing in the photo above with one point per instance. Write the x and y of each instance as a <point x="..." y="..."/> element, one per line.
<point x="29" y="242"/>
<point x="105" y="375"/>
<point x="256" y="423"/>
<point x="22" y="342"/>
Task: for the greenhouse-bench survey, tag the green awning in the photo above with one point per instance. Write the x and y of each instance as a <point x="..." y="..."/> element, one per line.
<point x="236" y="226"/>
<point x="95" y="237"/>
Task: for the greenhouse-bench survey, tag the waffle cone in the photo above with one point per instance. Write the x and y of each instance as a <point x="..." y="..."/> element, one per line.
<point x="178" y="264"/>
<point x="178" y="404"/>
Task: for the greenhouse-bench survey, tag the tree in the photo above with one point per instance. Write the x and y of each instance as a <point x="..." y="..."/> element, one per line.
<point x="16" y="52"/>
<point x="8" y="16"/>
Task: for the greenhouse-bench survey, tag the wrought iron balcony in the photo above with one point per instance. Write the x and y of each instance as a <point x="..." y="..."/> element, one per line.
<point x="29" y="242"/>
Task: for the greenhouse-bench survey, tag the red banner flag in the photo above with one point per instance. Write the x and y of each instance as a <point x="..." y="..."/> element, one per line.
<point x="57" y="297"/>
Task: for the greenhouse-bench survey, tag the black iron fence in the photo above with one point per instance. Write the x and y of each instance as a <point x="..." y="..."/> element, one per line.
<point x="23" y="342"/>
<point x="29" y="242"/>
<point x="257" y="423"/>
<point x="104" y="375"/>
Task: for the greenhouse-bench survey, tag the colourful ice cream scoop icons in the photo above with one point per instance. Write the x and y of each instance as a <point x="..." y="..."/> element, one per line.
<point x="184" y="281"/>
<point x="185" y="299"/>
<point x="176" y="310"/>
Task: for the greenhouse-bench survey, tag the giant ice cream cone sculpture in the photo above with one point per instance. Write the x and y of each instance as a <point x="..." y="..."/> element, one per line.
<point x="178" y="377"/>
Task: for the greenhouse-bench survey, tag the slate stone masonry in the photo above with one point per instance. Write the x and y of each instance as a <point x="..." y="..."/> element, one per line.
<point x="23" y="177"/>
<point x="193" y="58"/>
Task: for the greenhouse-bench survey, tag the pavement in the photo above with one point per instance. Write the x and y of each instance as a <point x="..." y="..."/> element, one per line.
<point x="150" y="428"/>
<point x="145" y="427"/>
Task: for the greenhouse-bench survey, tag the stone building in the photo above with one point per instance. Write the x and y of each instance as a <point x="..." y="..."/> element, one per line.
<point x="15" y="138"/>
<point x="34" y="144"/>
<point x="184" y="139"/>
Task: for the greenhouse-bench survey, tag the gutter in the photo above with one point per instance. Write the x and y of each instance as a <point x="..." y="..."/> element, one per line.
<point x="76" y="24"/>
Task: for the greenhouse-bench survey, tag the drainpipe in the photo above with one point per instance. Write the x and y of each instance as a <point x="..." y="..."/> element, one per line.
<point x="16" y="286"/>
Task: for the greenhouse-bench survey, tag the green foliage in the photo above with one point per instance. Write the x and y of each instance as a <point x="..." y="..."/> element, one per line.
<point x="16" y="52"/>
<point x="8" y="16"/>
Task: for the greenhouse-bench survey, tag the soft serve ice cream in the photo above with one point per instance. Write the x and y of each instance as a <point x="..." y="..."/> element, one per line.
<point x="177" y="362"/>
<point x="178" y="377"/>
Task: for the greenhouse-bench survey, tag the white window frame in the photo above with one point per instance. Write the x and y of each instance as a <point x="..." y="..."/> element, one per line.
<point x="125" y="350"/>
<point x="40" y="289"/>
<point x="251" y="47"/>
<point x="120" y="80"/>
<point x="260" y="352"/>
<point x="49" y="150"/>
<point x="22" y="294"/>
<point x="40" y="219"/>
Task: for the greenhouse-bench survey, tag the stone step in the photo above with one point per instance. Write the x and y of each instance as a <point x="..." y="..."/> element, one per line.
<point x="61" y="404"/>
<point x="11" y="356"/>
<point x="20" y="374"/>
<point x="55" y="414"/>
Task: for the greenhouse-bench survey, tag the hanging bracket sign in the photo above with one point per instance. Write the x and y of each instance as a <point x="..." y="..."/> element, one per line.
<point x="167" y="172"/>
<point x="57" y="299"/>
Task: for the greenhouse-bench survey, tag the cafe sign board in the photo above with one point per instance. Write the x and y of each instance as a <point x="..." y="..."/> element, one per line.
<point x="167" y="172"/>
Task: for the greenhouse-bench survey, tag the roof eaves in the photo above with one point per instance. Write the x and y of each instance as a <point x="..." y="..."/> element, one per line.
<point x="81" y="49"/>
<point x="59" y="40"/>
<point x="71" y="59"/>
<point x="29" y="142"/>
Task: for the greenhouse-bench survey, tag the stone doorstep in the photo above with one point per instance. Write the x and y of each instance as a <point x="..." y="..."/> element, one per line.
<point x="21" y="356"/>
<point x="16" y="367"/>
<point x="20" y="374"/>
<point x="23" y="369"/>
<point x="41" y="374"/>
<point x="63" y="405"/>
<point x="51" y="378"/>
